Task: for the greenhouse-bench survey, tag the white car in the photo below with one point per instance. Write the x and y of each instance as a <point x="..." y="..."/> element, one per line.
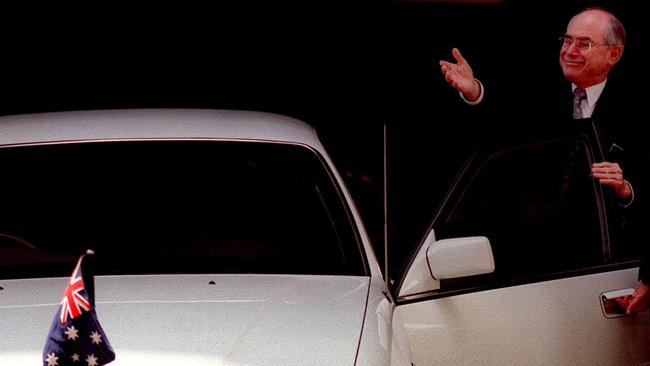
<point x="229" y="238"/>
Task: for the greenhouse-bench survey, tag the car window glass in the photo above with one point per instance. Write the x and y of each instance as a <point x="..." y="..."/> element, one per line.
<point x="174" y="207"/>
<point x="537" y="206"/>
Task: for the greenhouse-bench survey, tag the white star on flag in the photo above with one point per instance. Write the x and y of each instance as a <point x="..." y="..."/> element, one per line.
<point x="75" y="357"/>
<point x="52" y="359"/>
<point x="96" y="337"/>
<point x="72" y="333"/>
<point x="92" y="360"/>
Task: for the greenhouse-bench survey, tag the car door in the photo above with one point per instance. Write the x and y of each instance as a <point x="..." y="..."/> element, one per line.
<point x="559" y="259"/>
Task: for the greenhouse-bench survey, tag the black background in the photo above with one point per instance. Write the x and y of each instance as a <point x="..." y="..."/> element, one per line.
<point x="348" y="68"/>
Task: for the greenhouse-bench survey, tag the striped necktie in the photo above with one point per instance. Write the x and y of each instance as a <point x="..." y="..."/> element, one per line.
<point x="579" y="98"/>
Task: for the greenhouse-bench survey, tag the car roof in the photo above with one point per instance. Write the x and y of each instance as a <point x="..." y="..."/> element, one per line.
<point x="154" y="124"/>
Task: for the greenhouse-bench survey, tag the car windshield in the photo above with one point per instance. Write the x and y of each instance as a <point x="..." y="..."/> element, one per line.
<point x="173" y="207"/>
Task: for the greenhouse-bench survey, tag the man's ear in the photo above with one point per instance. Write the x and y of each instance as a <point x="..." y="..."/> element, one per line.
<point x="615" y="53"/>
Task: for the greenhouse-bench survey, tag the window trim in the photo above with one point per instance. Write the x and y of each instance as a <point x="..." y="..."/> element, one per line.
<point x="459" y="188"/>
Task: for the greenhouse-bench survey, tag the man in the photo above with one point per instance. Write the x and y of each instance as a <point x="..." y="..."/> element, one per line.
<point x="592" y="45"/>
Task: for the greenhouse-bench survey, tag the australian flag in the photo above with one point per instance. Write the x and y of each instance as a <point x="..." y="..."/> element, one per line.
<point x="76" y="338"/>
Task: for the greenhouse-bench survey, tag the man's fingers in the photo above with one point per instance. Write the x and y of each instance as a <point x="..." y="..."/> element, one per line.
<point x="607" y="175"/>
<point x="456" y="53"/>
<point x="634" y="305"/>
<point x="446" y="65"/>
<point x="605" y="164"/>
<point x="612" y="176"/>
<point x="611" y="169"/>
<point x="451" y="81"/>
<point x="607" y="171"/>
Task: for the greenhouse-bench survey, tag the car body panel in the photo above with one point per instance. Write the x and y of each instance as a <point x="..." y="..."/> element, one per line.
<point x="238" y="320"/>
<point x="557" y="322"/>
<point x="375" y="346"/>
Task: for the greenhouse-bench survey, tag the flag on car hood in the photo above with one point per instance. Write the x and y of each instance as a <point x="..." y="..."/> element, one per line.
<point x="76" y="338"/>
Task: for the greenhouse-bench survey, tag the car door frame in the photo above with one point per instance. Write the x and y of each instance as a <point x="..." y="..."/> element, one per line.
<point x="614" y="272"/>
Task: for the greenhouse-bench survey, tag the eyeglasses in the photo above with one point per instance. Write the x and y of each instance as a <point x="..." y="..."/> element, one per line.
<point x="584" y="44"/>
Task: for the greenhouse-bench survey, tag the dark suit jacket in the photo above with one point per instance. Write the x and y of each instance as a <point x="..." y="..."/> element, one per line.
<point x="614" y="118"/>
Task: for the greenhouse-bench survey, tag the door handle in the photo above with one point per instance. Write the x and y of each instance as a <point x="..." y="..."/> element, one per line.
<point x="614" y="303"/>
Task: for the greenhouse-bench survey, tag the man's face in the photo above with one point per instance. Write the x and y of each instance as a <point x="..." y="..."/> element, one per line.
<point x="585" y="57"/>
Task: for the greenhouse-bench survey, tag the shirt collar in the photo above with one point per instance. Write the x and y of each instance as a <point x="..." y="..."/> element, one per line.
<point x="593" y="93"/>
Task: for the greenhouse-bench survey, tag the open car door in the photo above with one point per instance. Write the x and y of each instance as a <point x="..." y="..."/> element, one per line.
<point x="559" y="259"/>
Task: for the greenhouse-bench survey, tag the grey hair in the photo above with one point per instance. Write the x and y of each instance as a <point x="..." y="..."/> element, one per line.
<point x="615" y="31"/>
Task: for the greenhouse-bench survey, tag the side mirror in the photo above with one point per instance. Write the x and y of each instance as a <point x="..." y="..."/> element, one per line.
<point x="446" y="259"/>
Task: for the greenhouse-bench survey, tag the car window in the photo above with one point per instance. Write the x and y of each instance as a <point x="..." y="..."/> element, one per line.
<point x="173" y="207"/>
<point x="537" y="204"/>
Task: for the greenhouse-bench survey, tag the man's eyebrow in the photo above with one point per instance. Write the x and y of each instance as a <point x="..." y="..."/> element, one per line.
<point x="582" y="38"/>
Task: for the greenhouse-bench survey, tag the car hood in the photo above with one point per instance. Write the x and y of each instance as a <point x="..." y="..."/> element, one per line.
<point x="199" y="319"/>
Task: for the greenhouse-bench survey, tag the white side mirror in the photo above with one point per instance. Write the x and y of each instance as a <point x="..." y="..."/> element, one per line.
<point x="460" y="257"/>
<point x="445" y="259"/>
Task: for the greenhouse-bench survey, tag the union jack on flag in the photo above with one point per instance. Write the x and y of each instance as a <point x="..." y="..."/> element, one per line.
<point x="75" y="298"/>
<point x="76" y="338"/>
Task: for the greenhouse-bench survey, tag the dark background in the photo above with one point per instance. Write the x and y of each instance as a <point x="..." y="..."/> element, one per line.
<point x="347" y="68"/>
